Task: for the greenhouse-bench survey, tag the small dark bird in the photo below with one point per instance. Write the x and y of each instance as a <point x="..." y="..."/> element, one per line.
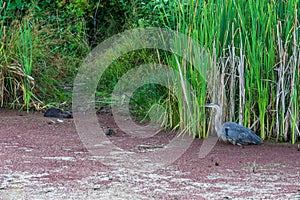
<point x="232" y="132"/>
<point x="57" y="113"/>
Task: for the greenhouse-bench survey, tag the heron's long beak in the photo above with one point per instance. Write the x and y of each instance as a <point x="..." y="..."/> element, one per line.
<point x="212" y="105"/>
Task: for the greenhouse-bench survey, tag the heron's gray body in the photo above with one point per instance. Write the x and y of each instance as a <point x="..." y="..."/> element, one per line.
<point x="231" y="131"/>
<point x="238" y="134"/>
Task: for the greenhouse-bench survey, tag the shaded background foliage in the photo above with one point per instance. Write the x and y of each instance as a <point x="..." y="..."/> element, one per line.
<point x="63" y="32"/>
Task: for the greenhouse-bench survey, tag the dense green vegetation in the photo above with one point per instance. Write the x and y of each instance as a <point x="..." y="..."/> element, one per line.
<point x="254" y="47"/>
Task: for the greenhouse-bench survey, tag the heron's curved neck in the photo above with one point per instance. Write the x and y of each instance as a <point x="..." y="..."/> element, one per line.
<point x="218" y="122"/>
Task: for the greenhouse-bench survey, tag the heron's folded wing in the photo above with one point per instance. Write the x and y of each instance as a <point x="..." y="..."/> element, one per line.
<point x="240" y="134"/>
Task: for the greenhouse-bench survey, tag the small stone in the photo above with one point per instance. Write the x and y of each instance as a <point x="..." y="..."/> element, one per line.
<point x="51" y="122"/>
<point x="108" y="131"/>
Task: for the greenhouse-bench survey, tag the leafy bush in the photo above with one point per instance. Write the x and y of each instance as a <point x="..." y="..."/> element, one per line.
<point x="39" y="59"/>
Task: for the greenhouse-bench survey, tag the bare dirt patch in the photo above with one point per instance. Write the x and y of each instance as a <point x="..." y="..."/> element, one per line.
<point x="45" y="160"/>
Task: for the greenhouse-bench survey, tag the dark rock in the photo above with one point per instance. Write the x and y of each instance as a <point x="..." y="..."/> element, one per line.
<point x="57" y="113"/>
<point x="109" y="132"/>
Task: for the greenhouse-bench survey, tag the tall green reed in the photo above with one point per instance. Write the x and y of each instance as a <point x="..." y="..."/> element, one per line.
<point x="26" y="53"/>
<point x="246" y="33"/>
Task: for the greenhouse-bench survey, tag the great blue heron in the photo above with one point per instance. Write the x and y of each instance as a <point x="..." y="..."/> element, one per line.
<point x="231" y="131"/>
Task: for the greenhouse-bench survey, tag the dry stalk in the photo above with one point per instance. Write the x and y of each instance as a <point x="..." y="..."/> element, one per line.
<point x="232" y="83"/>
<point x="241" y="71"/>
<point x="280" y="92"/>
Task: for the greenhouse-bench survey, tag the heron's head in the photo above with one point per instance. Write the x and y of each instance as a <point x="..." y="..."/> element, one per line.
<point x="217" y="106"/>
<point x="213" y="105"/>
